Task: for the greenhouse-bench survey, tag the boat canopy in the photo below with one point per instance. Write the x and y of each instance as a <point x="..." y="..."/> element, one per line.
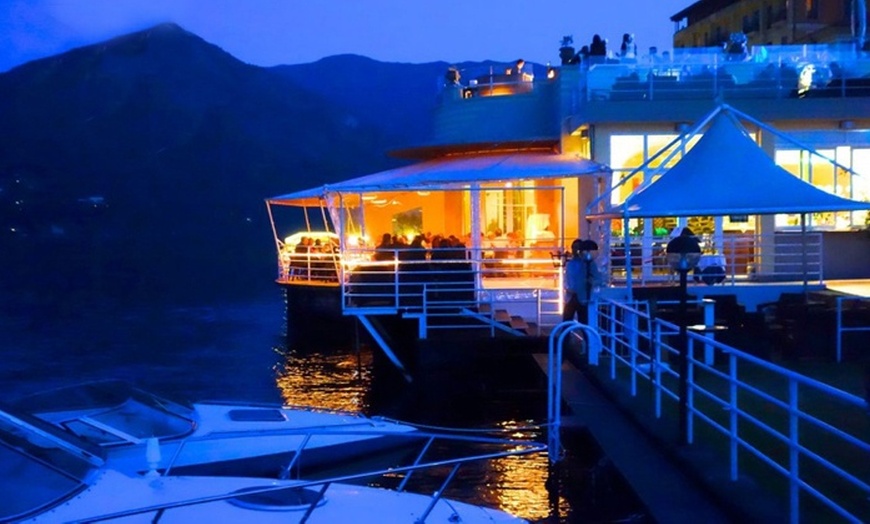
<point x="453" y="172"/>
<point x="727" y="173"/>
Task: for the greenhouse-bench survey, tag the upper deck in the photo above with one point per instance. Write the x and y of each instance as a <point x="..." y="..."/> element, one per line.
<point x="807" y="82"/>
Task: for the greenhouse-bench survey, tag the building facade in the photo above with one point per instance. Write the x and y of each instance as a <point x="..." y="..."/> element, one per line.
<point x="709" y="23"/>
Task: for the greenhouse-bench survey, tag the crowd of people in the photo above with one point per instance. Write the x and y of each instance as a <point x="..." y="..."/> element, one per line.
<point x="422" y="247"/>
<point x="597" y="51"/>
<point x="303" y="266"/>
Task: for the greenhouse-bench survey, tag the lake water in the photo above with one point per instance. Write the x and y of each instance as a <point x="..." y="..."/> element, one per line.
<point x="241" y="351"/>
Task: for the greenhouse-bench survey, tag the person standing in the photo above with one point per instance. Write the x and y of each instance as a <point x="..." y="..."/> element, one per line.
<point x="582" y="277"/>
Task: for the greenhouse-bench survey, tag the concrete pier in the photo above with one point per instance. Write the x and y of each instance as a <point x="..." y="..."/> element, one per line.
<point x="672" y="490"/>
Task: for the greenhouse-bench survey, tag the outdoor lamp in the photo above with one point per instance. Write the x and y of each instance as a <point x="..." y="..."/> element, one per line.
<point x="684" y="253"/>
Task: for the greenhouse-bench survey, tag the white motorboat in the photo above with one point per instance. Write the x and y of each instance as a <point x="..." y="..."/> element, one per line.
<point x="139" y="431"/>
<point x="55" y="477"/>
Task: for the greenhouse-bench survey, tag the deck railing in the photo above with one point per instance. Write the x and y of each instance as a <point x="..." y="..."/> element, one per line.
<point x="850" y="312"/>
<point x="803" y="437"/>
<point x="446" y="286"/>
<point x="730" y="259"/>
<point x="776" y="72"/>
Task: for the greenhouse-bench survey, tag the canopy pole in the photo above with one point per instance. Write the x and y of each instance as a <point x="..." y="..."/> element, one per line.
<point x="476" y="253"/>
<point x="564" y="240"/>
<point x="787" y="138"/>
<point x="363" y="233"/>
<point x="323" y="214"/>
<point x="804" y="255"/>
<point x="274" y="229"/>
<point x="307" y="221"/>
<point x="626" y="241"/>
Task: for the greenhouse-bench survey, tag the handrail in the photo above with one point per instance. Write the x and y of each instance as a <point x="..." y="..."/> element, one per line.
<point x="510" y="447"/>
<point x="555" y="351"/>
<point x="706" y="74"/>
<point x="734" y="258"/>
<point x="841" y="328"/>
<point x="713" y="395"/>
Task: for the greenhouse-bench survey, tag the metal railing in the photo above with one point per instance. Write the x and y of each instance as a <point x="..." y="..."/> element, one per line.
<point x="790" y="424"/>
<point x="860" y="306"/>
<point x="728" y="259"/>
<point x="446" y="280"/>
<point x="555" y="354"/>
<point x="780" y="72"/>
<point x="479" y="448"/>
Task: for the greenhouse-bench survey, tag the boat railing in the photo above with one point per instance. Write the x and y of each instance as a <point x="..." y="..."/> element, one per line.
<point x="797" y="434"/>
<point x="458" y="450"/>
<point x="368" y="426"/>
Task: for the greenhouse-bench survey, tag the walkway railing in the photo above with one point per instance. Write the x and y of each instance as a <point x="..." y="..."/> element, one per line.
<point x="807" y="440"/>
<point x="555" y="354"/>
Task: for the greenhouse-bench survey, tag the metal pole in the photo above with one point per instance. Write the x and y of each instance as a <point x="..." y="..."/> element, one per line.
<point x="684" y="363"/>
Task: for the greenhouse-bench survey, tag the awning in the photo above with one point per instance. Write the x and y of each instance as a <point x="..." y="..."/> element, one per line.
<point x="453" y="172"/>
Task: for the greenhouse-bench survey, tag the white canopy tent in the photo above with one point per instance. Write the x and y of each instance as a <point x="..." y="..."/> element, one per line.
<point x="725" y="173"/>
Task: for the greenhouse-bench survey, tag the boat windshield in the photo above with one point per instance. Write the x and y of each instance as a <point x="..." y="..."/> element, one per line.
<point x="111" y="412"/>
<point x="39" y="467"/>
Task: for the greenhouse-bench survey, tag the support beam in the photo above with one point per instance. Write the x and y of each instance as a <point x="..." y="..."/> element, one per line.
<point x="364" y="320"/>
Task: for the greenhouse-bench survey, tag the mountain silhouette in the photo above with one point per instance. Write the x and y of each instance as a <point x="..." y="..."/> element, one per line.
<point x="138" y="167"/>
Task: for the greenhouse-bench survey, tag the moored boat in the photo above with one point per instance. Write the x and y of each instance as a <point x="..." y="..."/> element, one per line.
<point x="56" y="477"/>
<point x="140" y="431"/>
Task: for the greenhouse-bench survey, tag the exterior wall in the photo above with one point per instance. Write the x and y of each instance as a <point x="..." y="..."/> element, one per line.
<point x="486" y="119"/>
<point x="845" y="254"/>
<point x="379" y="218"/>
<point x="765" y="22"/>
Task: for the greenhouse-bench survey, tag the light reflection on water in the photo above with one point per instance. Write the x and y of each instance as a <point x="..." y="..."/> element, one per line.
<point x="343" y="379"/>
<point x="238" y="351"/>
<point x="333" y="381"/>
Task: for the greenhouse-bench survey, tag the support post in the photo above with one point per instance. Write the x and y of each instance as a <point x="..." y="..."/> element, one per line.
<point x="684" y="363"/>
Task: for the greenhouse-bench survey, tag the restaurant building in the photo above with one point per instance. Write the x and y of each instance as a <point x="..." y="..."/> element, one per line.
<point x="517" y="163"/>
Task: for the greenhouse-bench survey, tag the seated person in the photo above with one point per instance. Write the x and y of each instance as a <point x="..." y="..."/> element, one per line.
<point x="384" y="250"/>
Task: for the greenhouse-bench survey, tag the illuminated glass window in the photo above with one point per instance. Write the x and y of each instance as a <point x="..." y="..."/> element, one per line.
<point x="629" y="152"/>
<point x="824" y="175"/>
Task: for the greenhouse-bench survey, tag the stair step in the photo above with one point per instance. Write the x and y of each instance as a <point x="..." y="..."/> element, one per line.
<point x="534" y="330"/>
<point x="518" y="323"/>
<point x="502" y="316"/>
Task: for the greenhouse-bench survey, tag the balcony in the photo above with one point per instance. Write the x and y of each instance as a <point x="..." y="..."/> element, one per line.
<point x="765" y="73"/>
<point x="497" y="107"/>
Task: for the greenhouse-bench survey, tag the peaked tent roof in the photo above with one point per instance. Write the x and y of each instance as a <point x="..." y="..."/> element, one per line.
<point x="451" y="172"/>
<point x="726" y="173"/>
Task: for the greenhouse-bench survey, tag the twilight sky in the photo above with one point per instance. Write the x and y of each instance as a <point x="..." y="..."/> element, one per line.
<point x="271" y="32"/>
